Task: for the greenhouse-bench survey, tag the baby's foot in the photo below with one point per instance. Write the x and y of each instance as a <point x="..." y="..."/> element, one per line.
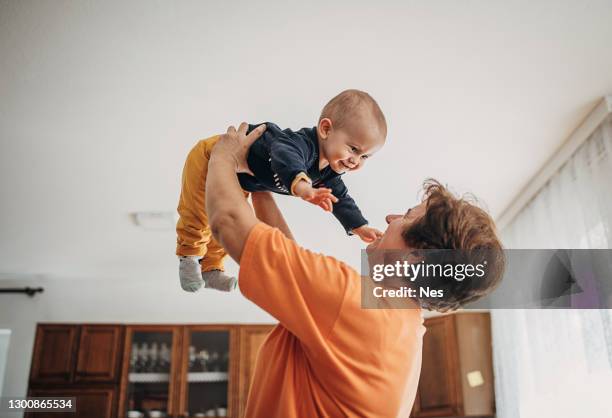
<point x="190" y="273"/>
<point x="216" y="279"/>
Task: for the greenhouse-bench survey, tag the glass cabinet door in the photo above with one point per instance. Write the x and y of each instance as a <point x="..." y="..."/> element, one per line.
<point x="147" y="383"/>
<point x="206" y="372"/>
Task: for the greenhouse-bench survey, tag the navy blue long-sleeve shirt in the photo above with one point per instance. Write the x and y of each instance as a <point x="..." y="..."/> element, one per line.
<point x="278" y="156"/>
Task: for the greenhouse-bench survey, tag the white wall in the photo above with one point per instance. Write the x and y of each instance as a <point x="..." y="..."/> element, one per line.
<point x="102" y="100"/>
<point x="136" y="301"/>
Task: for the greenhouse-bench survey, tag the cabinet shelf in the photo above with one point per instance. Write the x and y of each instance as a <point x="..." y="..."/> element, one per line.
<point x="207" y="377"/>
<point x="165" y="377"/>
<point x="148" y="377"/>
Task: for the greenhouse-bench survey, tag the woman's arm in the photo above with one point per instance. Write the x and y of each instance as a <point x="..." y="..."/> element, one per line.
<point x="267" y="212"/>
<point x="230" y="216"/>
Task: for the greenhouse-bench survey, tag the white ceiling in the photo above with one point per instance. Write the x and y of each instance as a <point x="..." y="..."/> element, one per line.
<point x="100" y="102"/>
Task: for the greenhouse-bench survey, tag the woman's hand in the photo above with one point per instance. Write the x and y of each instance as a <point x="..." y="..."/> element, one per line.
<point x="233" y="146"/>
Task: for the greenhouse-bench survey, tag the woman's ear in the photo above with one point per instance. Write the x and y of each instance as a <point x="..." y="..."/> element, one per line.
<point x="324" y="128"/>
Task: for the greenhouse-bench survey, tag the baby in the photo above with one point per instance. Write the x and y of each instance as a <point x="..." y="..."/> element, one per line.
<point x="308" y="163"/>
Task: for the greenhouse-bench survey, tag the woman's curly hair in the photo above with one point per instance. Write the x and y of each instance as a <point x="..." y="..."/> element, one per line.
<point x="457" y="224"/>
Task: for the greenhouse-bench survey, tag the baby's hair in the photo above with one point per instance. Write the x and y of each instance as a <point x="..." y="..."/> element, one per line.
<point x="348" y="105"/>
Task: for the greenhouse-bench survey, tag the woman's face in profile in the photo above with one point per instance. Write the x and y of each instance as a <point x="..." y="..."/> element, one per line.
<point x="397" y="224"/>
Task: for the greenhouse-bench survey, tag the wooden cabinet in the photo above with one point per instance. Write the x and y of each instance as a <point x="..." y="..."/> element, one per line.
<point x="209" y="370"/>
<point x="99" y="353"/>
<point x="90" y="402"/>
<point x="456" y="375"/>
<point x="54" y="352"/>
<point x="202" y="367"/>
<point x="181" y="370"/>
<point x="71" y="353"/>
<point x="147" y="386"/>
<point x="251" y="338"/>
<point x="81" y="361"/>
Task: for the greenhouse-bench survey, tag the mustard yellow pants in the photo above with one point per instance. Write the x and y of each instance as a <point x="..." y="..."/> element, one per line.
<point x="194" y="237"/>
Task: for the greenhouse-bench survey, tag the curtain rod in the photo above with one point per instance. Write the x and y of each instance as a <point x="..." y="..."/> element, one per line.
<point x="30" y="291"/>
<point x="556" y="161"/>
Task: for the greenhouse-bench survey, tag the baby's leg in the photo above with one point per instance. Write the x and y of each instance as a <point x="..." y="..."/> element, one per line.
<point x="193" y="231"/>
<point x="212" y="268"/>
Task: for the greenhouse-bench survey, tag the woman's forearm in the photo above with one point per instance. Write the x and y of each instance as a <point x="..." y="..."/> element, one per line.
<point x="268" y="212"/>
<point x="230" y="216"/>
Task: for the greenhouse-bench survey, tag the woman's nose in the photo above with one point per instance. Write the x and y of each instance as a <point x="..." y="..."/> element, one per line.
<point x="391" y="218"/>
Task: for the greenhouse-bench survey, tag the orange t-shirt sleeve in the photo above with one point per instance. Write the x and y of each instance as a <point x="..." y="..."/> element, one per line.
<point x="301" y="289"/>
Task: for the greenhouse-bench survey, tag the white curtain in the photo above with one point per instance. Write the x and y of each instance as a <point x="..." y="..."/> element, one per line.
<point x="558" y="363"/>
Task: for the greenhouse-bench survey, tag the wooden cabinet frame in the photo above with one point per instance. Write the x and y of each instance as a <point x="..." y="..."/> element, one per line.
<point x="181" y="379"/>
<point x="462" y="342"/>
<point x="174" y="368"/>
<point x="247" y="368"/>
<point x="451" y="355"/>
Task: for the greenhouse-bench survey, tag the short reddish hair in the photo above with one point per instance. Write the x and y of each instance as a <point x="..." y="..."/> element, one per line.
<point x="456" y="223"/>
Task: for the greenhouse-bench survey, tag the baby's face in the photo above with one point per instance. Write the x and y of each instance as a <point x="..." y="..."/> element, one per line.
<point x="348" y="148"/>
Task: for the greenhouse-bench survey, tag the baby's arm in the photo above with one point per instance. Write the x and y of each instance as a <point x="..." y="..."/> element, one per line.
<point x="349" y="215"/>
<point x="367" y="234"/>
<point x="291" y="154"/>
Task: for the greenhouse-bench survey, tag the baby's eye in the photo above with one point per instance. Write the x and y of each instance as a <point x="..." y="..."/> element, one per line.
<point x="353" y="149"/>
<point x="365" y="157"/>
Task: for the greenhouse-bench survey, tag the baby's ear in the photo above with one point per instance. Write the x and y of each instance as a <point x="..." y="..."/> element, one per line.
<point x="324" y="128"/>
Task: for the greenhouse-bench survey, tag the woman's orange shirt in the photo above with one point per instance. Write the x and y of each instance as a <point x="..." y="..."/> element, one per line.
<point x="328" y="357"/>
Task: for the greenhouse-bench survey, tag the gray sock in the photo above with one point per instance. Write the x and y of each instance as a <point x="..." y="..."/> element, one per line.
<point x="216" y="279"/>
<point x="190" y="273"/>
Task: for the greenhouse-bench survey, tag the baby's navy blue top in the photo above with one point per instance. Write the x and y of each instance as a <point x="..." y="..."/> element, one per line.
<point x="278" y="156"/>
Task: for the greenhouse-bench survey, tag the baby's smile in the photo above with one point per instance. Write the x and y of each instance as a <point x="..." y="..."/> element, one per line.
<point x="345" y="165"/>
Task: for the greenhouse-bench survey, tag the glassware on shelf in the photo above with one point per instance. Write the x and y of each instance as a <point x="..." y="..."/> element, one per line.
<point x="149" y="388"/>
<point x="144" y="358"/>
<point x="164" y="357"/>
<point x="134" y="357"/>
<point x="192" y="358"/>
<point x="214" y="362"/>
<point x="203" y="360"/>
<point x="154" y="358"/>
<point x="208" y="377"/>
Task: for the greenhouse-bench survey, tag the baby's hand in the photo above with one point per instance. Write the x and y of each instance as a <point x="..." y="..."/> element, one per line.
<point x="321" y="197"/>
<point x="367" y="234"/>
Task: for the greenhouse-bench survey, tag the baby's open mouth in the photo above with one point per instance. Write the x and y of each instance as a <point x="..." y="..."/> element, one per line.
<point x="345" y="166"/>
